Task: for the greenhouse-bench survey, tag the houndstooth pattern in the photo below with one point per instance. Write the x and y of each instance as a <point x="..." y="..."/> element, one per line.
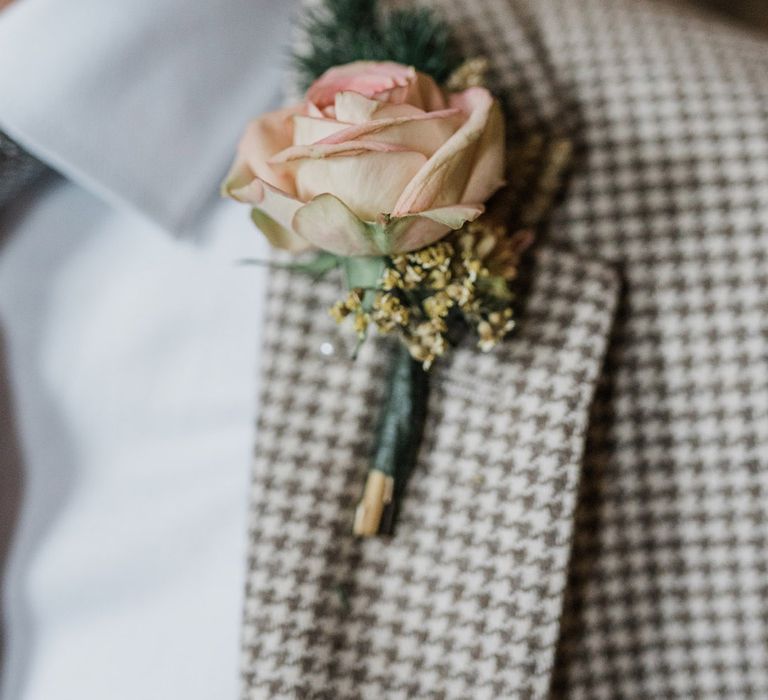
<point x="667" y="589"/>
<point x="668" y="573"/>
<point x="667" y="594"/>
<point x="464" y="601"/>
<point x="17" y="170"/>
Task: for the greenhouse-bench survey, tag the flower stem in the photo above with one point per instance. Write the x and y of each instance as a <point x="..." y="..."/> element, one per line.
<point x="395" y="451"/>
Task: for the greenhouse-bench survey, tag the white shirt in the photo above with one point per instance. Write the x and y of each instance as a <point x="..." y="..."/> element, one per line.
<point x="131" y="342"/>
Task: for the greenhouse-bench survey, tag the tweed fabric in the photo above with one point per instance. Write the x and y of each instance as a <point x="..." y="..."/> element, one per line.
<point x="668" y="576"/>
<point x="17" y="170"/>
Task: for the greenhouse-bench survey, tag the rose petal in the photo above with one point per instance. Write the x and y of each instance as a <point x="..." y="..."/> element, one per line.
<point x="280" y="205"/>
<point x="263" y="138"/>
<point x="330" y="150"/>
<point x="443" y="179"/>
<point x="425" y="93"/>
<point x="308" y="130"/>
<point x="369" y="183"/>
<point x="385" y="80"/>
<point x="366" y="175"/>
<point x="330" y="224"/>
<point x="490" y="160"/>
<point x="354" y="108"/>
<point x="416" y="231"/>
<point x="424" y="132"/>
<point x="241" y="184"/>
<point x="278" y="236"/>
<point x="454" y="217"/>
<point x="313" y="110"/>
<point x="272" y="212"/>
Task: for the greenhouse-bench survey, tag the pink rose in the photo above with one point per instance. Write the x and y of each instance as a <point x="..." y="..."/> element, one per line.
<point x="378" y="160"/>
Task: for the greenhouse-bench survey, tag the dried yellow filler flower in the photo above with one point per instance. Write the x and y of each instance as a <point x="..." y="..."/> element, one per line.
<point x="419" y="294"/>
<point x="471" y="73"/>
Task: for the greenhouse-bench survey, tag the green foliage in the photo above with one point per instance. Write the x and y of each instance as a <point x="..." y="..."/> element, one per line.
<point x="363" y="272"/>
<point x="342" y="31"/>
<point x="317" y="267"/>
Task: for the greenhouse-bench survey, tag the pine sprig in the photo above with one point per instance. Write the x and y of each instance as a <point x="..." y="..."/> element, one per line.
<point x="342" y="31"/>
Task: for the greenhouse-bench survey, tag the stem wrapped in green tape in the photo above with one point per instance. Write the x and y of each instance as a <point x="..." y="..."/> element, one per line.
<point x="401" y="424"/>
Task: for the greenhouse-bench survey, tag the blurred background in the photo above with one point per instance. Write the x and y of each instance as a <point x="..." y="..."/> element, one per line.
<point x="753" y="12"/>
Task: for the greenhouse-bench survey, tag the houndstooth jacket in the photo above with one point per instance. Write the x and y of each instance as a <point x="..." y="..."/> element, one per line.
<point x="588" y="515"/>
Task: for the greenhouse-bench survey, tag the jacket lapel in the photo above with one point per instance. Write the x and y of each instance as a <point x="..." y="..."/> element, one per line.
<point x="466" y="596"/>
<point x="465" y="600"/>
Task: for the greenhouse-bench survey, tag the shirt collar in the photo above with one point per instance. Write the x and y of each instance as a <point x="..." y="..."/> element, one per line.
<point x="141" y="101"/>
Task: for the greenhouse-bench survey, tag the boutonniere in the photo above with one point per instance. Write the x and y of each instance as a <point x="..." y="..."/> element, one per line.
<point x="385" y="171"/>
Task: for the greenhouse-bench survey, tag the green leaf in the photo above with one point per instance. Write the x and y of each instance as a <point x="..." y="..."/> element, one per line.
<point x="317" y="268"/>
<point x="320" y="266"/>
